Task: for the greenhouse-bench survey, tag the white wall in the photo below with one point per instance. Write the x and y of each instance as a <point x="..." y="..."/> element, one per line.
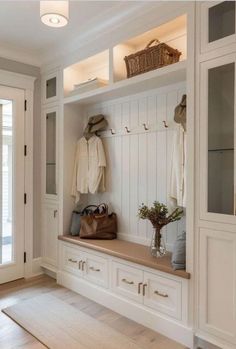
<point x="138" y="164"/>
<point x="27" y="69"/>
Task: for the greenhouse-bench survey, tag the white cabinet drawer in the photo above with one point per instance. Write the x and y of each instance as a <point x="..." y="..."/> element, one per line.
<point x="72" y="260"/>
<point x="163" y="294"/>
<point x="96" y="269"/>
<point x="127" y="281"/>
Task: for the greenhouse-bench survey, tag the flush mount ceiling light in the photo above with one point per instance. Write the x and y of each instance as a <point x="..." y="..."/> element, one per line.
<point x="54" y="13"/>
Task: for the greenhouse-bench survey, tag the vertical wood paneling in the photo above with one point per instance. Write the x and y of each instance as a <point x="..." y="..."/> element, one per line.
<point x="151" y="157"/>
<point x="134" y="182"/>
<point x="172" y="100"/>
<point x="139" y="165"/>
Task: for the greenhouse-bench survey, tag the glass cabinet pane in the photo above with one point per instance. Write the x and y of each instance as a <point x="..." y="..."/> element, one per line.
<point x="51" y="153"/>
<point x="221" y="20"/>
<point x="221" y="139"/>
<point x="51" y="88"/>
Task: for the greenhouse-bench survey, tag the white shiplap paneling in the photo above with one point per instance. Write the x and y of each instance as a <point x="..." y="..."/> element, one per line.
<point x="139" y="163"/>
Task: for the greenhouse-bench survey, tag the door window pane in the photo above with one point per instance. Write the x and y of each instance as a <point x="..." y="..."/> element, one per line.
<point x="221" y="20"/>
<point x="6" y="143"/>
<point x="221" y="139"/>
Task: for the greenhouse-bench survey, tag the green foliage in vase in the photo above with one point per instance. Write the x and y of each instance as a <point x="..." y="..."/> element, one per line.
<point x="158" y="214"/>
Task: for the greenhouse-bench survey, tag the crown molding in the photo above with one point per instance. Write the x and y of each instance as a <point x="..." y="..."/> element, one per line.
<point x="19" y="55"/>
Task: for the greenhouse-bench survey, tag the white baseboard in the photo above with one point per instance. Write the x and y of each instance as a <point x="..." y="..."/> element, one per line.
<point x="136" y="312"/>
<point x="206" y="341"/>
<point x="36" y="266"/>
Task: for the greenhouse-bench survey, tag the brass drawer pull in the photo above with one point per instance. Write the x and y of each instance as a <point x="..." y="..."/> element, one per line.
<point x="144" y="285"/>
<point x="80" y="263"/>
<point x="127" y="282"/>
<point x="139" y="287"/>
<point x="165" y="295"/>
<point x="83" y="263"/>
<point x="94" y="269"/>
<point x="72" y="260"/>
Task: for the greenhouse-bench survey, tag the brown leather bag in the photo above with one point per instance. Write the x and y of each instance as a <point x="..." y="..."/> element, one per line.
<point x="99" y="224"/>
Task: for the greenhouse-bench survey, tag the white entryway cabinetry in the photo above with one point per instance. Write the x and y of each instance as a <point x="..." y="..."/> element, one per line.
<point x="51" y="160"/>
<point x="148" y="296"/>
<point x="215" y="185"/>
<point x="138" y="166"/>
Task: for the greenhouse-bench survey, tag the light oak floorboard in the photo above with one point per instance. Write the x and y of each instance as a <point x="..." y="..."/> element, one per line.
<point x="13" y="336"/>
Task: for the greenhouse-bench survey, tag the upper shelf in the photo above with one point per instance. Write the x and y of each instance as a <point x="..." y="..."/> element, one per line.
<point x="170" y="74"/>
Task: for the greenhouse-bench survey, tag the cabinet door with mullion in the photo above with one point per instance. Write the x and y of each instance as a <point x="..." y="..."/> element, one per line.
<point x="217" y="139"/>
<point x="50" y="87"/>
<point x="50" y="152"/>
<point x="218" y="24"/>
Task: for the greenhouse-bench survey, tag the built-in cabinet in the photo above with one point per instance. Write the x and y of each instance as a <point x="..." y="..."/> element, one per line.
<point x="215" y="189"/>
<point x="50" y="125"/>
<point x="148" y="296"/>
<point x="138" y="146"/>
<point x="50" y="234"/>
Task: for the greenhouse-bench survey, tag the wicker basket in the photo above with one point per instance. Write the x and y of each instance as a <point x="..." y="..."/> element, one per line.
<point x="152" y="57"/>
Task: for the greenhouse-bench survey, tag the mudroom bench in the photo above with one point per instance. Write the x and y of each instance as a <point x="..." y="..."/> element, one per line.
<point x="123" y="276"/>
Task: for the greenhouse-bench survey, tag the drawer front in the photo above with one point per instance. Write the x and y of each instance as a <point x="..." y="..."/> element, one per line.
<point x="96" y="269"/>
<point x="163" y="294"/>
<point x="127" y="281"/>
<point x="72" y="260"/>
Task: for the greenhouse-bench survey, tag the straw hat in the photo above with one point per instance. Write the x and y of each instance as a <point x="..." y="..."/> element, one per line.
<point x="95" y="123"/>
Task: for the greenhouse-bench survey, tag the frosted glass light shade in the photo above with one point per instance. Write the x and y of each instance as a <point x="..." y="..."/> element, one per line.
<point x="54" y="13"/>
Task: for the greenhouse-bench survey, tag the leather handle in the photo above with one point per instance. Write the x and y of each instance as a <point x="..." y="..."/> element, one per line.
<point x="83" y="263"/>
<point x="152" y="41"/>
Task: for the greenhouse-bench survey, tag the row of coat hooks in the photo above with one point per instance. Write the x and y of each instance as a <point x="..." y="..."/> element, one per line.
<point x="145" y="126"/>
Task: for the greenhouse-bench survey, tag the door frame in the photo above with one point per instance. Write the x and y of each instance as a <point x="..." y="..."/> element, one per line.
<point x="26" y="83"/>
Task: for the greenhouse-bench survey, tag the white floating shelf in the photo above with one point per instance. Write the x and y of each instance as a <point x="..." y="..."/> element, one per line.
<point x="168" y="75"/>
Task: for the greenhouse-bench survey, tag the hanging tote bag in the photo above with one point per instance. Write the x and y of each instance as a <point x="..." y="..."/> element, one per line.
<point x="99" y="225"/>
<point x="76" y="218"/>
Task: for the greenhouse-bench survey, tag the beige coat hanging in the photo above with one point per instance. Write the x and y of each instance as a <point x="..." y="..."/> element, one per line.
<point x="89" y="167"/>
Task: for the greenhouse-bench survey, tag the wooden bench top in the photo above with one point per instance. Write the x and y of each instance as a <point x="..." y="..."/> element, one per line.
<point x="129" y="251"/>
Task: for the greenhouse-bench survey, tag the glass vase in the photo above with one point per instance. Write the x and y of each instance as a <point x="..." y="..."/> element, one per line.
<point x="158" y="247"/>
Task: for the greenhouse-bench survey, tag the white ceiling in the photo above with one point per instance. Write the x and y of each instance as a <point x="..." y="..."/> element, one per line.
<point x="22" y="33"/>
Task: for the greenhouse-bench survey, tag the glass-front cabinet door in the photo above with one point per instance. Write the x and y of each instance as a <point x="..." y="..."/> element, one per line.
<point x="50" y="87"/>
<point x="51" y="152"/>
<point x="217" y="138"/>
<point x="218" y="22"/>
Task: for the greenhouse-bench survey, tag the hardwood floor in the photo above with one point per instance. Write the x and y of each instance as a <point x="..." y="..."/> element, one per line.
<point x="13" y="336"/>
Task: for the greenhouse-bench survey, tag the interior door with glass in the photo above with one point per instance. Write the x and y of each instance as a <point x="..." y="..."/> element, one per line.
<point x="217" y="139"/>
<point x="11" y="184"/>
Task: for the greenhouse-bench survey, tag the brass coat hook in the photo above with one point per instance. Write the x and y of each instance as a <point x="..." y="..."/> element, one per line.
<point x="145" y="127"/>
<point x="127" y="130"/>
<point x="165" y="124"/>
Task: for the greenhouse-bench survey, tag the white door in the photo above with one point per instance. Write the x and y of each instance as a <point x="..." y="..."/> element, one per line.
<point x="11" y="184"/>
